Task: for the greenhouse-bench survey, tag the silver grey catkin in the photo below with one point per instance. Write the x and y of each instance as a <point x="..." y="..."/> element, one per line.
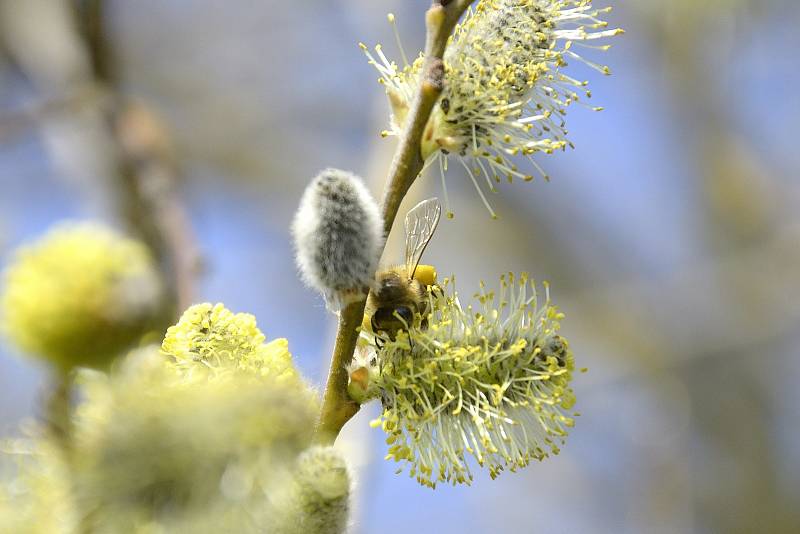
<point x="338" y="237"/>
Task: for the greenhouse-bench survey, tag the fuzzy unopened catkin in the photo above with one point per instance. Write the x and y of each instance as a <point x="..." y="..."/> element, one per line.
<point x="338" y="236"/>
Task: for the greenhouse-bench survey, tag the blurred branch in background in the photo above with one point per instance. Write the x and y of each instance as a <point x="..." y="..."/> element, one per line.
<point x="756" y="292"/>
<point x="115" y="147"/>
<point x="718" y="323"/>
<point x="148" y="168"/>
<point x="652" y="324"/>
<point x="15" y="123"/>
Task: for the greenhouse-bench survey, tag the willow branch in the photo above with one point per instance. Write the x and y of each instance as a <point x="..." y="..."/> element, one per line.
<point x="407" y="163"/>
<point x="337" y="406"/>
<point x="440" y="20"/>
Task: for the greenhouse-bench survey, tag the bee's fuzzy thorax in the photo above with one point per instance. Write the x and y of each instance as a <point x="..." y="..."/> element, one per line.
<point x="338" y="236"/>
<point x="394" y="284"/>
<point x="394" y="291"/>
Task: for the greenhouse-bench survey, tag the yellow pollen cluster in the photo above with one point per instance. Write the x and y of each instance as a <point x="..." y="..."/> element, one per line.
<point x="210" y="339"/>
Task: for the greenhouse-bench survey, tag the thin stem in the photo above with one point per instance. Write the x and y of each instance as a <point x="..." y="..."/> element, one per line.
<point x="153" y="204"/>
<point x="337" y="406"/>
<point x="57" y="413"/>
<point x="441" y="18"/>
<point x="407" y="162"/>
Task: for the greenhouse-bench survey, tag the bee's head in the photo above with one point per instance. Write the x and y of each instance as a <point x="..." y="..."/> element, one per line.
<point x="558" y="348"/>
<point x="390" y="319"/>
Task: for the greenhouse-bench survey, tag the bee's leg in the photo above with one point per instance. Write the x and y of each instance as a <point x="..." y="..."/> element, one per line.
<point x="378" y="343"/>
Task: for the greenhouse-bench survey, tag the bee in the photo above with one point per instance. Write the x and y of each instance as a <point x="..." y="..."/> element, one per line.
<point x="556" y="347"/>
<point x="400" y="292"/>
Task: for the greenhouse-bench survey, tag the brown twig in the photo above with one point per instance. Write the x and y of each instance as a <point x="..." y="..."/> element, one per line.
<point x="441" y="18"/>
<point x="149" y="193"/>
<point x="151" y="199"/>
<point x="337" y="406"/>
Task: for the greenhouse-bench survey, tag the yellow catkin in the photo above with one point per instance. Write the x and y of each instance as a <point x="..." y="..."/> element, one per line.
<point x="507" y="90"/>
<point x="80" y="295"/>
<point x="491" y="382"/>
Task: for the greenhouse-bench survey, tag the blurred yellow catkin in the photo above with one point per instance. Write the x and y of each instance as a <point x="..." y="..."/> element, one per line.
<point x="79" y="296"/>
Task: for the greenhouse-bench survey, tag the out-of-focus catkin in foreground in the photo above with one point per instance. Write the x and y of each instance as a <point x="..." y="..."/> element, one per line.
<point x="318" y="498"/>
<point x="205" y="435"/>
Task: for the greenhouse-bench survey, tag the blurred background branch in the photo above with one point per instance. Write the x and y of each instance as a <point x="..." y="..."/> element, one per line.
<point x="129" y="145"/>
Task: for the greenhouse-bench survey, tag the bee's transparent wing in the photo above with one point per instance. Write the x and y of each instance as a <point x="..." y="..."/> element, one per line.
<point x="421" y="222"/>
